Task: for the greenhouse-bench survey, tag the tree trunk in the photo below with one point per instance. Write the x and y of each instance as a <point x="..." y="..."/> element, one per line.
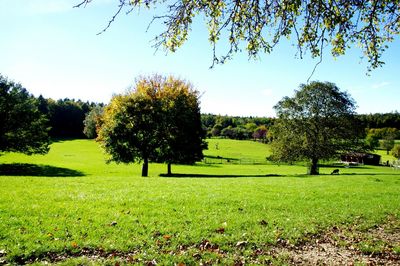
<point x="145" y="167"/>
<point x="314" y="167"/>
<point x="169" y="169"/>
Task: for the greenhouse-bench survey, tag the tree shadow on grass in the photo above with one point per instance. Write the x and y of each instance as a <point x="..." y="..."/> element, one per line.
<point x="207" y="165"/>
<point x="26" y="169"/>
<point x="370" y="174"/>
<point x="342" y="166"/>
<point x="220" y="157"/>
<point x="214" y="176"/>
<point x="342" y="174"/>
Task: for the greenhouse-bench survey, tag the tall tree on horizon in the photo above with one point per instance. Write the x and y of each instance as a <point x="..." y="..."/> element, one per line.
<point x="23" y="127"/>
<point x="317" y="123"/>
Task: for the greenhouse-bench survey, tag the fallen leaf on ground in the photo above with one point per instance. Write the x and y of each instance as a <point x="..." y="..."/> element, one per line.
<point x="220" y="230"/>
<point x="241" y="243"/>
<point x="151" y="263"/>
<point x="167" y="237"/>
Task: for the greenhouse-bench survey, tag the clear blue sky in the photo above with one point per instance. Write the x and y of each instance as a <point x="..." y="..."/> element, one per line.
<point x="53" y="50"/>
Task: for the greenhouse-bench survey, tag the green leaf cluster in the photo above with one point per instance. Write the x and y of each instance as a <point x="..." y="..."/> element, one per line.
<point x="92" y="121"/>
<point x="372" y="141"/>
<point x="388" y="142"/>
<point x="396" y="151"/>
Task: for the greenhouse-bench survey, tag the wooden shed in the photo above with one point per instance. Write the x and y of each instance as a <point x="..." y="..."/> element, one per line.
<point x="361" y="158"/>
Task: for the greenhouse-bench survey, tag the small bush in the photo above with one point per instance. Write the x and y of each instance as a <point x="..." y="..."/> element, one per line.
<point x="396" y="151"/>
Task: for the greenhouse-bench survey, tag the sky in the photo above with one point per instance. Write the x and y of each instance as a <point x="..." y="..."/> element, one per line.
<point x="53" y="50"/>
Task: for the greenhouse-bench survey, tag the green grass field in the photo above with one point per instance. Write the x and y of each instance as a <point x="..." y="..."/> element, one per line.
<point x="237" y="150"/>
<point x="69" y="203"/>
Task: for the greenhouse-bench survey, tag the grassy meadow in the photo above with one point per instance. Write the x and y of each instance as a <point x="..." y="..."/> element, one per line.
<point x="70" y="207"/>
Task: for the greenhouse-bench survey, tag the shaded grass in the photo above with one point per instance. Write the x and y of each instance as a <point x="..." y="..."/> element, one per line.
<point x="212" y="176"/>
<point x="26" y="169"/>
<point x="169" y="220"/>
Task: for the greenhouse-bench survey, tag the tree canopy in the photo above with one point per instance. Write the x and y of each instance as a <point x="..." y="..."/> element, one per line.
<point x="183" y="135"/>
<point x="92" y="121"/>
<point x="158" y="120"/>
<point x="317" y="123"/>
<point x="258" y="26"/>
<point x="23" y="128"/>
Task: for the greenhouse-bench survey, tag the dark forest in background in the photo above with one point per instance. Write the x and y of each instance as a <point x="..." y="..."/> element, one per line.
<point x="66" y="118"/>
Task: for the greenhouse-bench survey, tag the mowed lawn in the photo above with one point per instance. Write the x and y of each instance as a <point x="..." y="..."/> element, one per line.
<point x="70" y="202"/>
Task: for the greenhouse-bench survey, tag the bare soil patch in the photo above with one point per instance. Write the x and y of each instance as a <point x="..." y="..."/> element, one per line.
<point x="376" y="246"/>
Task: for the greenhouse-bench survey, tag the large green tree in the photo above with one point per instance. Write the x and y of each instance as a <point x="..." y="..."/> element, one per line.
<point x="130" y="130"/>
<point x="183" y="135"/>
<point x="159" y="120"/>
<point x="317" y="123"/>
<point x="257" y="26"/>
<point x="23" y="128"/>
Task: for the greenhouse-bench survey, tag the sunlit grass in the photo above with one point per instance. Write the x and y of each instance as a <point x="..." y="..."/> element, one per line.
<point x="112" y="208"/>
<point x="246" y="149"/>
<point x="385" y="157"/>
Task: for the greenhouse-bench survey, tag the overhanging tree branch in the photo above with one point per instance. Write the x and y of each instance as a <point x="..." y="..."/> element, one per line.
<point x="259" y="25"/>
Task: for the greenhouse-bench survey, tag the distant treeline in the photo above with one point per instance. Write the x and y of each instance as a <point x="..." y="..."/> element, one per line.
<point x="66" y="118"/>
<point x="389" y="120"/>
<point x="235" y="127"/>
